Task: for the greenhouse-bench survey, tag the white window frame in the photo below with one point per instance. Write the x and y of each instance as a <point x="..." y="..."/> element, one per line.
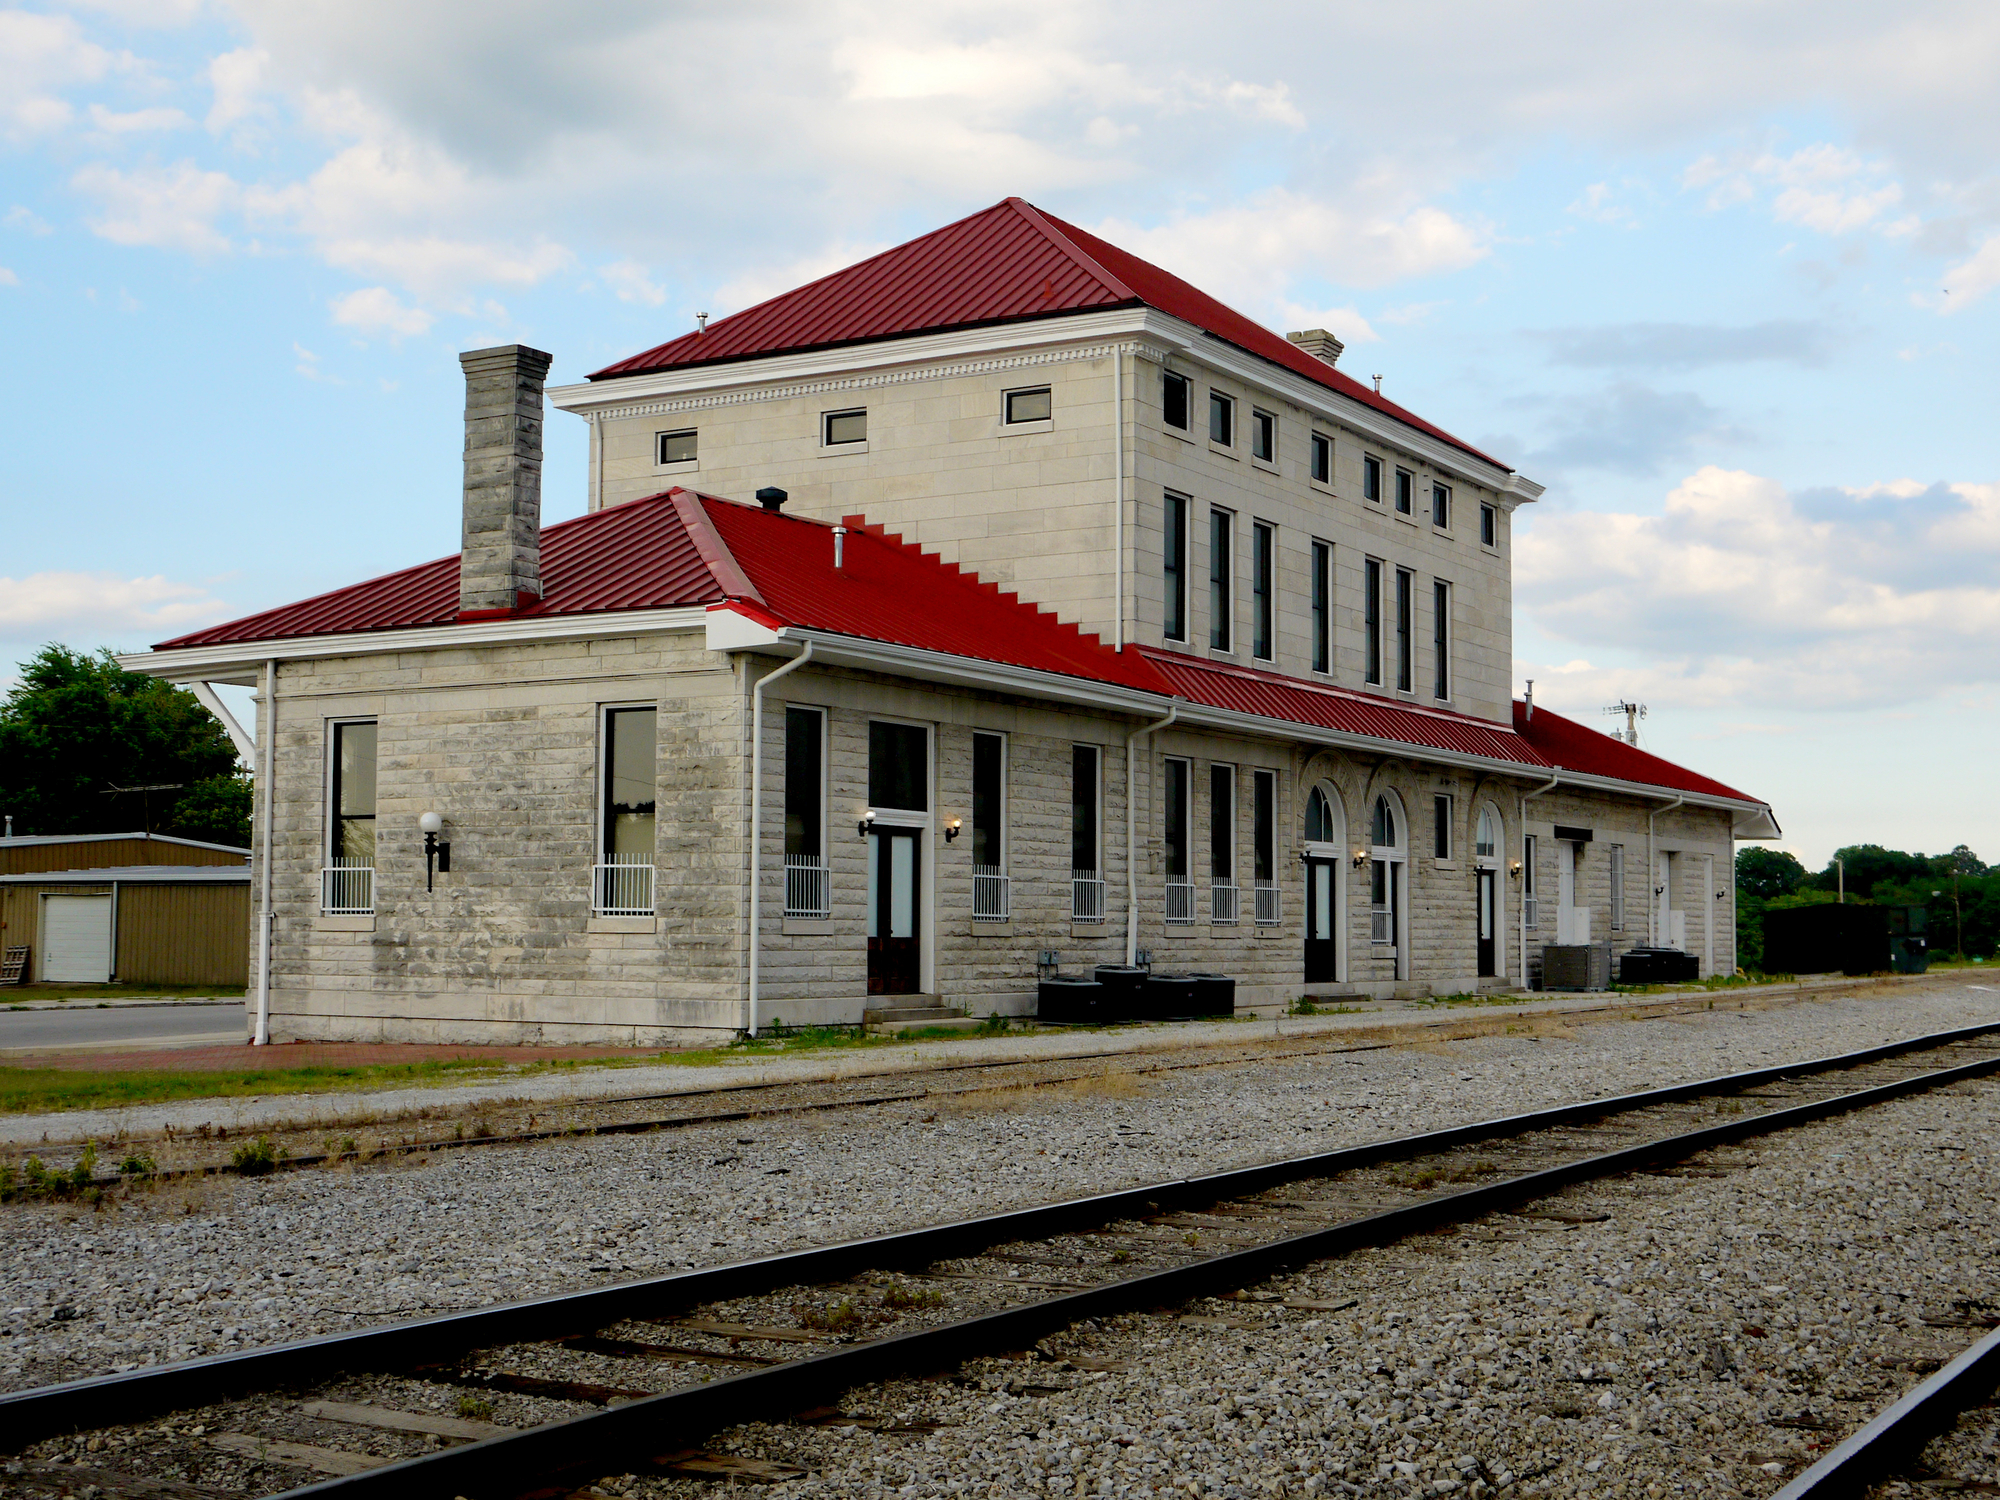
<point x="1440" y="492"/>
<point x="1186" y="383"/>
<point x="1530" y="898"/>
<point x="1321" y="553"/>
<point x="1404" y="598"/>
<point x="1372" y="654"/>
<point x="990" y="882"/>
<point x="1317" y="445"/>
<point x="1088" y="905"/>
<point x="1264" y="532"/>
<point x="1009" y="423"/>
<point x="1617" y="864"/>
<point x="1371" y="478"/>
<point x="1185" y="915"/>
<point x="1260" y="421"/>
<point x="331" y="819"/>
<point x="676" y="465"/>
<point x="1169" y="501"/>
<point x="1226" y="577"/>
<point x="1441" y="674"/>
<point x="852" y="445"/>
<point x="1228" y="404"/>
<point x="796" y="886"/>
<point x="648" y="885"/>
<point x="1406" y="491"/>
<point x="1225" y="880"/>
<point x="1489" y="522"/>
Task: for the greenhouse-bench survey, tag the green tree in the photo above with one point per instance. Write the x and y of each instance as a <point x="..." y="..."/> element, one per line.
<point x="77" y="725"/>
<point x="1765" y="873"/>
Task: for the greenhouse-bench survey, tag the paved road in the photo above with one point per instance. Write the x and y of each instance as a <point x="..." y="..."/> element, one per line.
<point x="188" y="1025"/>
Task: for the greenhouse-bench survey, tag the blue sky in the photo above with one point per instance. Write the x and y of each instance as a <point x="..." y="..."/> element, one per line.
<point x="1723" y="280"/>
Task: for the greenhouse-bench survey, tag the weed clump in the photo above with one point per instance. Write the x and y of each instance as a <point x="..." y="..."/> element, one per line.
<point x="475" y="1410"/>
<point x="900" y="1296"/>
<point x="827" y="1319"/>
<point x="255" y="1158"/>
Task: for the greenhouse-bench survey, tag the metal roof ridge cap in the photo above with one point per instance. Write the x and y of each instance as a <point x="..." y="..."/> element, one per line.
<point x="728" y="573"/>
<point x="1069" y="247"/>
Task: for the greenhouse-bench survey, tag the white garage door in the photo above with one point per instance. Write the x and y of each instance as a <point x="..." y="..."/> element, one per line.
<point x="76" y="940"/>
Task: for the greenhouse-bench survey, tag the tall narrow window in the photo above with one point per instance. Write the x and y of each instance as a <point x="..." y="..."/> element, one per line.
<point x="1085" y="875"/>
<point x="1441" y="637"/>
<point x="1371" y="621"/>
<point x="1371" y="479"/>
<point x="1441" y="506"/>
<point x="1221" y="419"/>
<point x="1404" y="666"/>
<point x="807" y="890"/>
<point x="1221" y="525"/>
<point x="1174" y="835"/>
<point x="1529" y="906"/>
<point x="1441" y="826"/>
<point x="353" y="799"/>
<point x="1406" y="492"/>
<point x="898" y="775"/>
<point x="630" y="778"/>
<point x="989" y="814"/>
<point x="1264" y="826"/>
<point x="1322" y="606"/>
<point x="1174" y="400"/>
<point x="1322" y="458"/>
<point x="1264" y="437"/>
<point x="1617" y="887"/>
<point x="1222" y="842"/>
<point x="1261" y="561"/>
<point x="1489" y="526"/>
<point x="1175" y="567"/>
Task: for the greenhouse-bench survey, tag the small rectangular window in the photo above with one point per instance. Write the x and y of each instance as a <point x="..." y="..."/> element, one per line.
<point x="1083" y="811"/>
<point x="1264" y="436"/>
<point x="1441" y="506"/>
<point x="1617" y="887"/>
<point x="677" y="447"/>
<point x="352" y="795"/>
<point x="839" y="427"/>
<point x="1441" y="826"/>
<point x="1322" y="458"/>
<point x="1489" y="526"/>
<point x="1221" y="419"/>
<point x="1174" y="822"/>
<point x="1221" y="525"/>
<point x="1406" y="492"/>
<point x="1322" y="606"/>
<point x="1405" y="667"/>
<point x="1261" y="562"/>
<point x="1371" y="479"/>
<point x="1029" y="406"/>
<point x="805" y="783"/>
<point x="1222" y="824"/>
<point x="1371" y="621"/>
<point x="989" y="801"/>
<point x="1175" y="399"/>
<point x="898" y="775"/>
<point x="1175" y="567"/>
<point x="631" y="777"/>
<point x="1264" y="826"/>
<point x="1441" y="638"/>
<point x="1529" y="905"/>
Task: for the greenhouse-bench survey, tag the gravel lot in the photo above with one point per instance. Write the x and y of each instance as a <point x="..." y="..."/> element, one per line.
<point x="221" y="1265"/>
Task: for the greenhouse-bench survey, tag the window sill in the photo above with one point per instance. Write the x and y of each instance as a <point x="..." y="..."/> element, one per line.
<point x="1320" y="486"/>
<point x="679" y="466"/>
<point x="1222" y="449"/>
<point x="1444" y="864"/>
<point x="1406" y="520"/>
<point x="1185" y="930"/>
<point x="1018" y="429"/>
<point x="993" y="929"/>
<point x="1265" y="466"/>
<point x="623" y="924"/>
<point x="835" y="450"/>
<point x="809" y="927"/>
<point x="1092" y="931"/>
<point x="1221" y="653"/>
<point x="352" y="922"/>
<point x="1184" y="434"/>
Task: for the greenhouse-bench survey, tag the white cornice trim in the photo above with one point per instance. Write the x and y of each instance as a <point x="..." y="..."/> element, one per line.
<point x="240" y="661"/>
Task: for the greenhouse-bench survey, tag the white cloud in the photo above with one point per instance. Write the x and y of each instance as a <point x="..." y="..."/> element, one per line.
<point x="1743" y="593"/>
<point x="1822" y="187"/>
<point x="40" y="55"/>
<point x="26" y="219"/>
<point x="172" y="208"/>
<point x="8" y="278"/>
<point x="1595" y="204"/>
<point x="629" y="280"/>
<point x="236" y="83"/>
<point x="377" y="311"/>
<point x="134" y="121"/>
<point x="1967" y="282"/>
<point x="104" y="605"/>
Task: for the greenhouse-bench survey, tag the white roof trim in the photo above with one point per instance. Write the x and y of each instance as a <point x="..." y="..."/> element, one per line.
<point x="27" y="840"/>
<point x="136" y="875"/>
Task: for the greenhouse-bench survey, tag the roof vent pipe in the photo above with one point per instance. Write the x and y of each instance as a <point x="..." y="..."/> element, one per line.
<point x="772" y="498"/>
<point x="1529" y="699"/>
<point x="1378" y="385"/>
<point x="839" y="546"/>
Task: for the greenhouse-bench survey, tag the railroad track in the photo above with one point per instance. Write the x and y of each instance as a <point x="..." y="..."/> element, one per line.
<point x="634" y="1377"/>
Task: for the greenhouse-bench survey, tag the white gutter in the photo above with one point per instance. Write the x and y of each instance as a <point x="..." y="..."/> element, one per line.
<point x="1652" y="874"/>
<point x="757" y="817"/>
<point x="1527" y="875"/>
<point x="1132" y="831"/>
<point x="266" y="795"/>
<point x="1118" y="500"/>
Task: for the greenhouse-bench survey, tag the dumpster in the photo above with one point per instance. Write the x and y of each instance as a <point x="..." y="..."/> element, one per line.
<point x="1909" y="948"/>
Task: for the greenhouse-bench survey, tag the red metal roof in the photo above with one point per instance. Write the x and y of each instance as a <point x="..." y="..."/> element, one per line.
<point x="1003" y="264"/>
<point x="1577" y="747"/>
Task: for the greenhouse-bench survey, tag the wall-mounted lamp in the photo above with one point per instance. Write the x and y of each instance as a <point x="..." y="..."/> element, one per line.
<point x="1514" y="868"/>
<point x="1360" y="858"/>
<point x="867" y="822"/>
<point x="437" y="856"/>
<point x="951" y="830"/>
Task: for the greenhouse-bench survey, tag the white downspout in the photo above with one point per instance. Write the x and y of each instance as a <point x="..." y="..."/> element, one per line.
<point x="266" y="795"/>
<point x="757" y="818"/>
<point x="1653" y="892"/>
<point x="1118" y="503"/>
<point x="1132" y="831"/>
<point x="1527" y="875"/>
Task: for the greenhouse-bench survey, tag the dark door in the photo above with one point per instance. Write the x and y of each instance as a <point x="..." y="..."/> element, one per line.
<point x="1322" y="949"/>
<point x="894" y="965"/>
<point x="1486" y="893"/>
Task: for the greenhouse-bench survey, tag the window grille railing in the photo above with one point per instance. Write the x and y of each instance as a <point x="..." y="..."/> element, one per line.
<point x="347" y="887"/>
<point x="1529" y="909"/>
<point x="1180" y="902"/>
<point x="989" y="894"/>
<point x="622" y="887"/>
<point x="1381" y="925"/>
<point x="1222" y="900"/>
<point x="1268" y="909"/>
<point x="1086" y="896"/>
<point x="808" y="888"/>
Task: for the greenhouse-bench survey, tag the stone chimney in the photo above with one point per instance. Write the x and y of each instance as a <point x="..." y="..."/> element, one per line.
<point x="1319" y="344"/>
<point x="500" y="568"/>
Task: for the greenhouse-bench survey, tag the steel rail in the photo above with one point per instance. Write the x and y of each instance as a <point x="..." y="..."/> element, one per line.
<point x="1899" y="1433"/>
<point x="27" y="1416"/>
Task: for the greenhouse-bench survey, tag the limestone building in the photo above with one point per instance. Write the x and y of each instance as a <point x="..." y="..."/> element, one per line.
<point x="1057" y="607"/>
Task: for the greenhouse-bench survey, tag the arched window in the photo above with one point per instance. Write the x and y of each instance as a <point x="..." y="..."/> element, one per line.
<point x="1383" y="831"/>
<point x="1488" y="843"/>
<point x="1319" y="818"/>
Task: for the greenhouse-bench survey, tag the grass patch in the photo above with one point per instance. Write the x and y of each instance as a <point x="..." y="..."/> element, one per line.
<point x="1711" y="984"/>
<point x="36" y="1090"/>
<point x="1305" y="1005"/>
<point x="1467" y="997"/>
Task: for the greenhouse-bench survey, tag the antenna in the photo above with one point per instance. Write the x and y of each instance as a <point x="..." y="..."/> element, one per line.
<point x="1633" y="712"/>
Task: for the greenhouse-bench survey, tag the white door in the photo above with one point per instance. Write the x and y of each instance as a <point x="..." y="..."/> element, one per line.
<point x="1572" y="921"/>
<point x="76" y="940"/>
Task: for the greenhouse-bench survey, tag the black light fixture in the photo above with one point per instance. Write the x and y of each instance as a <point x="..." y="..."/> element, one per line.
<point x="437" y="855"/>
<point x="951" y="830"/>
<point x="867" y="822"/>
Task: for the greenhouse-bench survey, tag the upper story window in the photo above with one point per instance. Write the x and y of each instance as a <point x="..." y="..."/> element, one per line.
<point x="1221" y="533"/>
<point x="1322" y="458"/>
<point x="1406" y="492"/>
<point x="838" y="427"/>
<point x="1489" y="526"/>
<point x="1405" y="605"/>
<point x="1371" y="479"/>
<point x="1262" y="587"/>
<point x="898" y="772"/>
<point x="1174" y="569"/>
<point x="1029" y="406"/>
<point x="1322" y="606"/>
<point x="1221" y="419"/>
<point x="1264" y="436"/>
<point x="1371" y="621"/>
<point x="1441" y="637"/>
<point x="677" y="447"/>
<point x="1176" y="397"/>
<point x="1441" y="506"/>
